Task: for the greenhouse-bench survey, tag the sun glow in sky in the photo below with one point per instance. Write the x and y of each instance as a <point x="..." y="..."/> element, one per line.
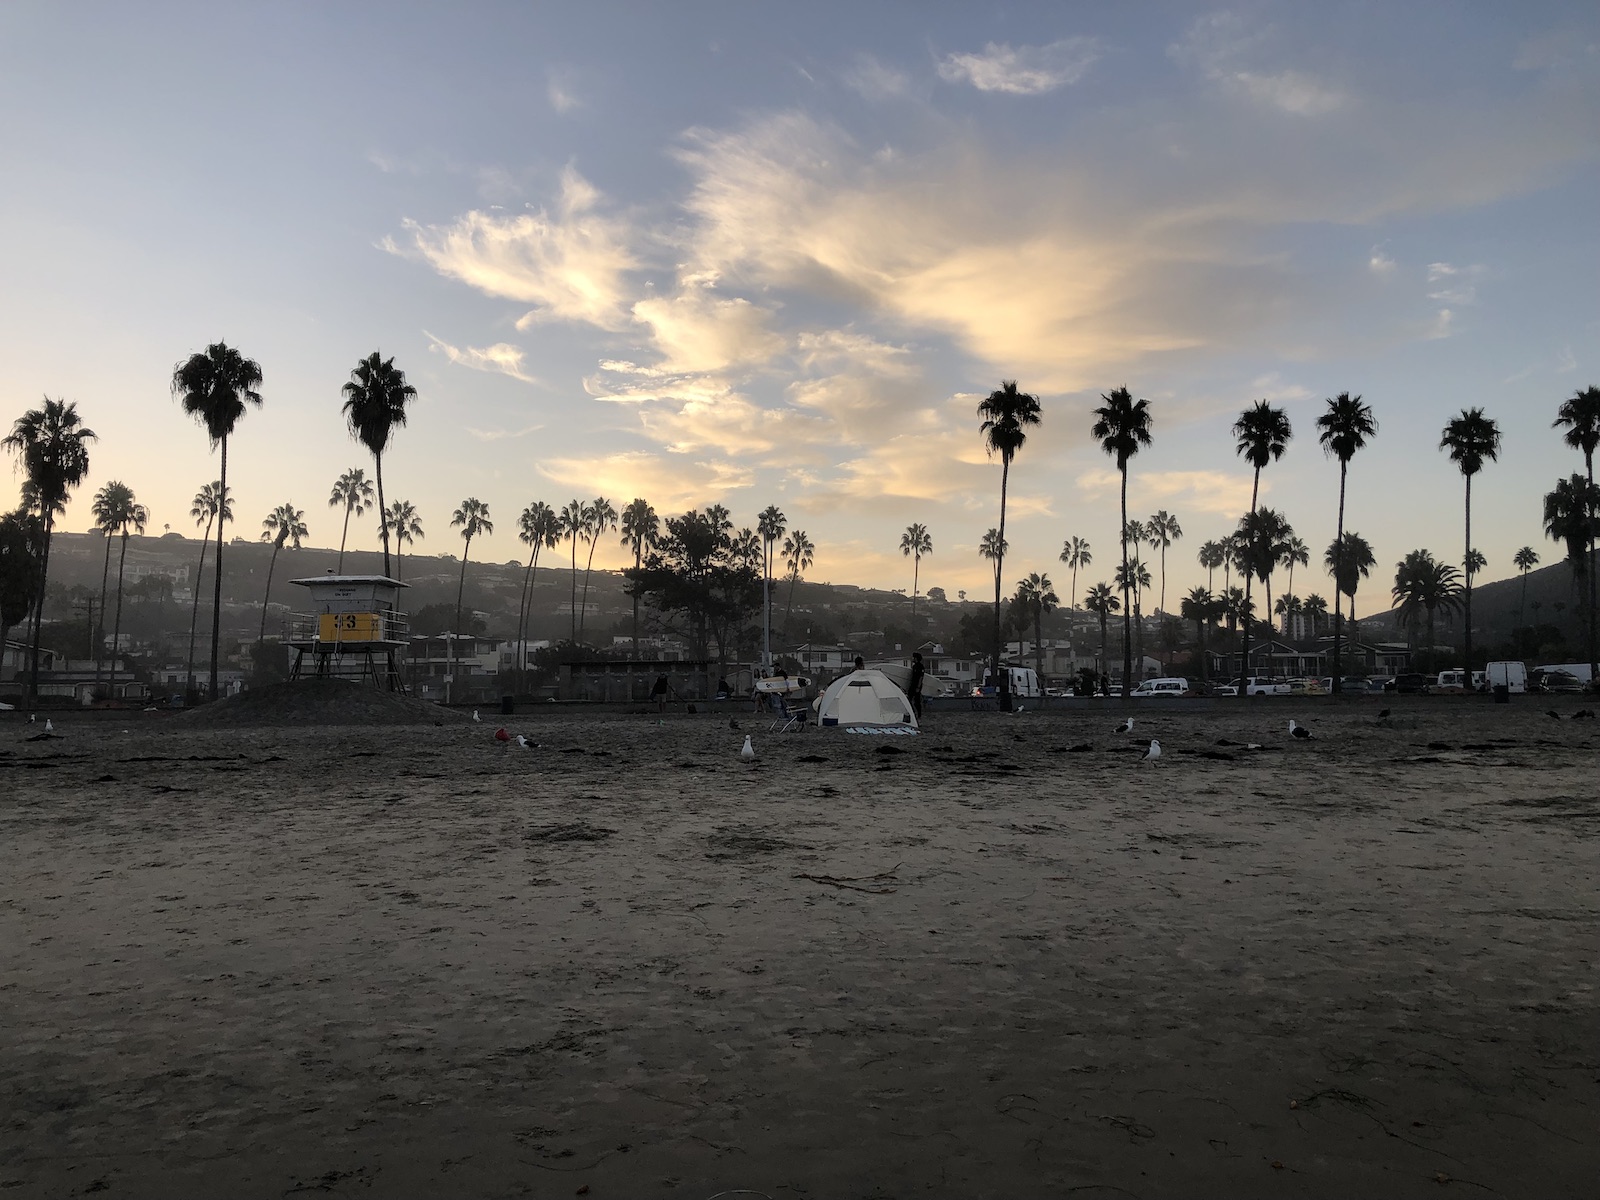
<point x="757" y="254"/>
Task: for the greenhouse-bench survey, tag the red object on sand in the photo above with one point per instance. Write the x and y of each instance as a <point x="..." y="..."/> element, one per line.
<point x="500" y="735"/>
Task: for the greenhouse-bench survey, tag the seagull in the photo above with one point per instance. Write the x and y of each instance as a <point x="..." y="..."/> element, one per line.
<point x="475" y="715"/>
<point x="1125" y="727"/>
<point x="1153" y="753"/>
<point x="1300" y="731"/>
<point x="524" y="744"/>
<point x="1384" y="715"/>
<point x="1552" y="714"/>
<point x="49" y="726"/>
<point x="747" y="751"/>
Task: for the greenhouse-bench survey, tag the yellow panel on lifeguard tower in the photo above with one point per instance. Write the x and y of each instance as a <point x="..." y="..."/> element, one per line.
<point x="350" y="627"/>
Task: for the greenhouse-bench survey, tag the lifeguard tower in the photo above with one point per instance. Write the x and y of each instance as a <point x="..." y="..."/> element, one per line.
<point x="354" y="630"/>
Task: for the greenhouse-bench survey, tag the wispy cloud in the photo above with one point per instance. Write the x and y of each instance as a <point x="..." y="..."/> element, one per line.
<point x="1379" y="262"/>
<point x="500" y="435"/>
<point x="560" y="92"/>
<point x="501" y="358"/>
<point x="1227" y="52"/>
<point x="1023" y="70"/>
<point x="873" y="79"/>
<point x="1226" y="494"/>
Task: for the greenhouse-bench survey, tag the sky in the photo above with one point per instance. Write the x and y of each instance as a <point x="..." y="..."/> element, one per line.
<point x="753" y="254"/>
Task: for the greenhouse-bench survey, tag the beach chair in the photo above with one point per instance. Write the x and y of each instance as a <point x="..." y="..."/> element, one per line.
<point x="790" y="716"/>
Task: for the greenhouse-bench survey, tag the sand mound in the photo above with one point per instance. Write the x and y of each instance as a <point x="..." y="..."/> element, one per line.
<point x="318" y="702"/>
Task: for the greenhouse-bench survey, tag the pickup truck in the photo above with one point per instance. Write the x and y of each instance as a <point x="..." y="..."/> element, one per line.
<point x="1262" y="686"/>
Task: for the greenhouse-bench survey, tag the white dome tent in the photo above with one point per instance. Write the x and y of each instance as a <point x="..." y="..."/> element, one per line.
<point x="865" y="702"/>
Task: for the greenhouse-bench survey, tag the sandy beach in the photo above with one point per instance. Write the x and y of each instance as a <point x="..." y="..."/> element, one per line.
<point x="1003" y="958"/>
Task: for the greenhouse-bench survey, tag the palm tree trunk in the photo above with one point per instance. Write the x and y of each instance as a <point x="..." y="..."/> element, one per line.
<point x="588" y="568"/>
<point x="1127" y="604"/>
<point x="383" y="519"/>
<point x="1038" y="644"/>
<point x="99" y="644"/>
<point x="1074" y="593"/>
<point x="794" y="578"/>
<point x="522" y="609"/>
<point x="266" y="599"/>
<point x="1105" y="637"/>
<point x="574" y="588"/>
<point x="1466" y="562"/>
<point x="216" y="604"/>
<point x="1003" y="677"/>
<point x="1244" y="611"/>
<point x="116" y="630"/>
<point x="345" y="534"/>
<point x="1338" y="563"/>
<point x="194" y="617"/>
<point x="1162" y="607"/>
<point x="1594" y="653"/>
<point x="638" y="561"/>
<point x="916" y="567"/>
<point x="461" y="586"/>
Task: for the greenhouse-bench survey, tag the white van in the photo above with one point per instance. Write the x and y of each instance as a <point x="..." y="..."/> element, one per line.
<point x="1024" y="683"/>
<point x="1513" y="676"/>
<point x="1161" y="687"/>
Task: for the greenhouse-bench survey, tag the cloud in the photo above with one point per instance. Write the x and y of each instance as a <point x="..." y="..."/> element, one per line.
<point x="1443" y="326"/>
<point x="502" y="357"/>
<point x="1025" y="70"/>
<point x="1222" y="49"/>
<point x="1379" y="263"/>
<point x="672" y="484"/>
<point x="698" y="330"/>
<point x="572" y="264"/>
<point x="500" y="435"/>
<point x="1458" y="287"/>
<point x="875" y="80"/>
<point x="559" y="91"/>
<point x="1194" y="491"/>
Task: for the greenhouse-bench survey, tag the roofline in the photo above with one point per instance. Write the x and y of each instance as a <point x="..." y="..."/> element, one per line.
<point x="349" y="579"/>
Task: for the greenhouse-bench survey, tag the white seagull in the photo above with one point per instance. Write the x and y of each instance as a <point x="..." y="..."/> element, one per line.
<point x="1125" y="727"/>
<point x="1300" y="731"/>
<point x="1153" y="753"/>
<point x="524" y="744"/>
<point x="747" y="751"/>
<point x="49" y="726"/>
<point x="475" y="715"/>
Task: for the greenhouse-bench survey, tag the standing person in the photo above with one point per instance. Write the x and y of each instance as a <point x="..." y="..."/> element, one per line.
<point x="658" y="693"/>
<point x="917" y="672"/>
<point x="860" y="666"/>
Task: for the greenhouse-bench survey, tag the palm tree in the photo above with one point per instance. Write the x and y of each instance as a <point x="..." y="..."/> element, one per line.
<point x="214" y="387"/>
<point x="1476" y="562"/>
<point x="375" y="402"/>
<point x="1343" y="429"/>
<point x="1315" y="608"/>
<point x="1075" y="553"/>
<point x="599" y="519"/>
<point x="111" y="508"/>
<point x="52" y="443"/>
<point x="538" y="529"/>
<point x="1007" y="414"/>
<point x="1133" y="577"/>
<point x="1102" y="601"/>
<point x="208" y="504"/>
<point x="1162" y="530"/>
<point x="401" y="522"/>
<point x="1424" y="585"/>
<point x="1581" y="416"/>
<point x="125" y="516"/>
<point x="353" y="493"/>
<point x="1036" y="597"/>
<point x="641" y="528"/>
<point x="472" y="518"/>
<point x="992" y="547"/>
<point x="1526" y="560"/>
<point x="1263" y="534"/>
<point x="1472" y="439"/>
<point x="286" y="523"/>
<point x="1213" y="554"/>
<point x="1199" y="606"/>
<point x="1122" y="426"/>
<point x="798" y="554"/>
<point x="914" y="543"/>
<point x="1295" y="551"/>
<point x="1349" y="560"/>
<point x="1569" y="518"/>
<point x="770" y="525"/>
<point x="1261" y="435"/>
<point x="573" y="520"/>
<point x="21" y="559"/>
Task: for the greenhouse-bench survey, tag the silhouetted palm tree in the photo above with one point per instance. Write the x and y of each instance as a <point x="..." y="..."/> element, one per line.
<point x="1295" y="553"/>
<point x="1102" y="601"/>
<point x="798" y="554"/>
<point x="1315" y="608"/>
<point x="1526" y="560"/>
<point x="1212" y="555"/>
<point x="914" y="543"/>
<point x="208" y="503"/>
<point x="1161" y="530"/>
<point x="1075" y="552"/>
<point x="401" y="522"/>
<point x="214" y="387"/>
<point x="539" y="530"/>
<point x="472" y="518"/>
<point x="286" y="523"/>
<point x="1581" y="417"/>
<point x="1424" y="585"/>
<point x="993" y="547"/>
<point x="641" y="528"/>
<point x="353" y="493"/>
<point x="21" y="563"/>
<point x="1007" y="414"/>
<point x="52" y="443"/>
<point x="1199" y="606"/>
<point x="123" y="516"/>
<point x="1349" y="560"/>
<point x="599" y="519"/>
<point x="1036" y="596"/>
<point x="1343" y="429"/>
<point x="573" y="520"/>
<point x="1471" y="439"/>
<point x="1261" y="435"/>
<point x="1133" y="577"/>
<point x="1122" y="426"/>
<point x="111" y="506"/>
<point x="770" y="525"/>
<point x="1263" y="535"/>
<point x="375" y="402"/>
<point x="1569" y="518"/>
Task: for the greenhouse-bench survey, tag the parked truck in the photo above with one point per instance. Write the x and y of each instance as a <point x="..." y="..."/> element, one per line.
<point x="1513" y="676"/>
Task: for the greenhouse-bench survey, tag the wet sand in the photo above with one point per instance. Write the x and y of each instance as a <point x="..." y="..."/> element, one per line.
<point x="981" y="962"/>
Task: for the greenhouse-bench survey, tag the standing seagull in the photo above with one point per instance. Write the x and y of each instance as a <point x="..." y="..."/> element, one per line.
<point x="1153" y="753"/>
<point x="1300" y="731"/>
<point x="748" y="751"/>
<point x="475" y="715"/>
<point x="1125" y="727"/>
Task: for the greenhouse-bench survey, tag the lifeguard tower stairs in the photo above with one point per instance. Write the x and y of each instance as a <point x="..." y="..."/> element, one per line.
<point x="354" y="629"/>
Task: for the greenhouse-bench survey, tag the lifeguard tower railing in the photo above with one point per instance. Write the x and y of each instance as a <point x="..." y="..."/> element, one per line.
<point x="365" y="646"/>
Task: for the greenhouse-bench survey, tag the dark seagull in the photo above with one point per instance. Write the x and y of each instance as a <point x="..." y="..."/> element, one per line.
<point x="1125" y="727"/>
<point x="1300" y="731"/>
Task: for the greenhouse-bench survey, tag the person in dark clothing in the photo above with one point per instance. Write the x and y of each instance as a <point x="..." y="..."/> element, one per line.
<point x="917" y="672"/>
<point x="658" y="693"/>
<point x="860" y="666"/>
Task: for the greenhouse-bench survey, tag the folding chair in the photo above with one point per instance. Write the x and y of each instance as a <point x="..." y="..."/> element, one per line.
<point x="789" y="716"/>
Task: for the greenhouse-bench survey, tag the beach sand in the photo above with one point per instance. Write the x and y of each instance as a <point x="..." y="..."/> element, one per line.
<point x="410" y="961"/>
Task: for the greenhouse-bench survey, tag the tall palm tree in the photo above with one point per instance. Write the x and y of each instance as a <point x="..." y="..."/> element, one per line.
<point x="21" y="560"/>
<point x="641" y="529"/>
<point x="1315" y="608"/>
<point x="798" y="553"/>
<point x="573" y="520"/>
<point x="1261" y="435"/>
<point x="353" y="492"/>
<point x="1036" y="596"/>
<point x="1422" y="585"/>
<point x="52" y="445"/>
<point x="1102" y="601"/>
<point x="1075" y="552"/>
<point x="1199" y="606"/>
<point x="1295" y="552"/>
<point x="993" y="547"/>
<point x="286" y="523"/>
<point x="914" y="543"/>
<point x="1569" y="518"/>
<point x="127" y="516"/>
<point x="538" y="530"/>
<point x="1133" y="577"/>
<point x="1122" y="426"/>
<point x="1263" y="534"/>
<point x="1471" y="439"/>
<point x="208" y="504"/>
<point x="1213" y="554"/>
<point x="1349" y="560"/>
<point x="1161" y="530"/>
<point x="770" y="525"/>
<point x="1526" y="560"/>
<point x="600" y="518"/>
<point x="1343" y="429"/>
<point x="111" y="508"/>
<point x="1007" y="414"/>
<point x="472" y="518"/>
<point x="1581" y="417"/>
<point x="375" y="402"/>
<point x="401" y="522"/>
<point x="214" y="388"/>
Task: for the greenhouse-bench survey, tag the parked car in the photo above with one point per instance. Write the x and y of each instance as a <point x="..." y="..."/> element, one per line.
<point x="1162" y="687"/>
<point x="1560" y="681"/>
<point x="1412" y="683"/>
<point x="1261" y="685"/>
<point x="1355" y="683"/>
